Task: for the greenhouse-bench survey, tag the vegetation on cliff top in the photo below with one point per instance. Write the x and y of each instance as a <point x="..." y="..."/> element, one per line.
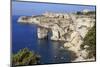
<point x="87" y="13"/>
<point x="25" y="57"/>
<point x="90" y="40"/>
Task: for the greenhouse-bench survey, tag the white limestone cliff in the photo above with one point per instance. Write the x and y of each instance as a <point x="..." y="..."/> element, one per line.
<point x="42" y="33"/>
<point x="70" y="28"/>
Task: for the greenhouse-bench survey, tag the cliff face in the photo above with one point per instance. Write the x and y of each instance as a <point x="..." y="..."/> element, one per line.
<point x="70" y="28"/>
<point x="62" y="25"/>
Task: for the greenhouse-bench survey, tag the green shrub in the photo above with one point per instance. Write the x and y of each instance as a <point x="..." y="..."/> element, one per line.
<point x="90" y="40"/>
<point x="25" y="57"/>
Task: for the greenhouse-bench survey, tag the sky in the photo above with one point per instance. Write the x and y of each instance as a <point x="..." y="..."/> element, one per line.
<point x="34" y="8"/>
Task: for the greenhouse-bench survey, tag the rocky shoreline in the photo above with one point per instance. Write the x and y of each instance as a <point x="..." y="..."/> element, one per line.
<point x="67" y="27"/>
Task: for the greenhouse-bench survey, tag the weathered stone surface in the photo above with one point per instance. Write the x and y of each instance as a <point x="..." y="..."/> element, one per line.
<point x="70" y="28"/>
<point x="62" y="25"/>
<point x="42" y="33"/>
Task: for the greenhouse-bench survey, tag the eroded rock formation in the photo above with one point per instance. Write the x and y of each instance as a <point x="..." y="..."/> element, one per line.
<point x="67" y="27"/>
<point x="42" y="33"/>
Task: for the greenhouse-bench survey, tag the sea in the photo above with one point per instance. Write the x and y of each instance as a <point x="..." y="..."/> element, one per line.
<point x="25" y="36"/>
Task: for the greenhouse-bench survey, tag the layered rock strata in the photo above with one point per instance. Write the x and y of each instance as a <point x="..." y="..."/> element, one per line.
<point x="67" y="27"/>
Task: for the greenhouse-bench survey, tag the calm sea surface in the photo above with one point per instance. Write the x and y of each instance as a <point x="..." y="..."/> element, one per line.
<point x="25" y="36"/>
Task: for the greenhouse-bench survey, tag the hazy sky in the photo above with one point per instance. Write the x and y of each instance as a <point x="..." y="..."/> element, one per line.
<point x="33" y="8"/>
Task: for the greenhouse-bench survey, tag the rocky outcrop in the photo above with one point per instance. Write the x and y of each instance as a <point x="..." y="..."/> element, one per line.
<point x="42" y="33"/>
<point x="70" y="28"/>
